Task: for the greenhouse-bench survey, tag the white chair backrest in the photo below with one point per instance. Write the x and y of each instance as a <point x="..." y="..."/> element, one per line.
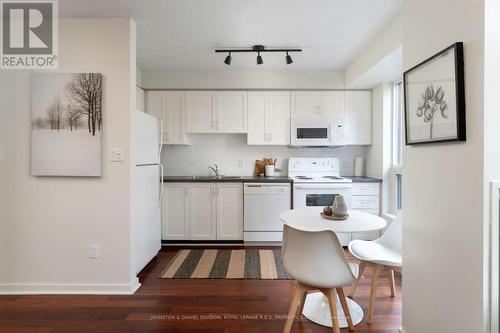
<point x="393" y="235"/>
<point x="315" y="258"/>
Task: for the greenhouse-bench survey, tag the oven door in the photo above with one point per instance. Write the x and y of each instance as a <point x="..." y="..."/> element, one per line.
<point x="311" y="134"/>
<point x="320" y="195"/>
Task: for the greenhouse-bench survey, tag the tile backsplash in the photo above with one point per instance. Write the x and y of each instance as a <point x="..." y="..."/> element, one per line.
<point x="235" y="158"/>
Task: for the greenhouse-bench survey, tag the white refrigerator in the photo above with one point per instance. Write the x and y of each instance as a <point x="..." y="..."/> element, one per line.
<point x="146" y="190"/>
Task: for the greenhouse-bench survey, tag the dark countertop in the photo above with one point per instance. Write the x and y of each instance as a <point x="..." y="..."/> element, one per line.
<point x="364" y="179"/>
<point x="242" y="179"/>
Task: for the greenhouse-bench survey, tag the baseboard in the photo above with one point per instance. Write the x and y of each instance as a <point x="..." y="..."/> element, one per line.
<point x="69" y="288"/>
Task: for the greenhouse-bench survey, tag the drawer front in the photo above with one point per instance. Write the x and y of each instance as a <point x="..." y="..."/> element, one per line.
<point x="365" y="202"/>
<point x="366" y="189"/>
<point x="371" y="235"/>
<point x="369" y="211"/>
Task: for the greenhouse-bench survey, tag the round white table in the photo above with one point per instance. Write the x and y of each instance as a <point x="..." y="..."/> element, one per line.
<point x="316" y="307"/>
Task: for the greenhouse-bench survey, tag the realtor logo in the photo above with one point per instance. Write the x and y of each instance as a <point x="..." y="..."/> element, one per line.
<point x="29" y="34"/>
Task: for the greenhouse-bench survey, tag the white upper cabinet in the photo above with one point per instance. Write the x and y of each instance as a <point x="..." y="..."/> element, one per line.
<point x="216" y="112"/>
<point x="174" y="118"/>
<point x="258" y="106"/>
<point x="229" y="211"/>
<point x="169" y="107"/>
<point x="358" y="115"/>
<point x="139" y="92"/>
<point x="318" y="105"/>
<point x="155" y="103"/>
<point x="231" y="112"/>
<point x="269" y="118"/>
<point x="201" y="113"/>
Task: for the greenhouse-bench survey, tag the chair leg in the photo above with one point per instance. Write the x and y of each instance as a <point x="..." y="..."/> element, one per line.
<point x="345" y="307"/>
<point x="299" y="291"/>
<point x="302" y="302"/>
<point x="373" y="293"/>
<point x="362" y="266"/>
<point x="332" y="302"/>
<point x="392" y="283"/>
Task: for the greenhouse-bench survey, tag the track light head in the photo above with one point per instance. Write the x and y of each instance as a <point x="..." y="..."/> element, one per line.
<point x="288" y="59"/>
<point x="227" y="61"/>
<point x="259" y="59"/>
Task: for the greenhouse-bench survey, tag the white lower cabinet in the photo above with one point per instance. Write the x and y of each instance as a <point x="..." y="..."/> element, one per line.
<point x="229" y="211"/>
<point x="175" y="211"/>
<point x="366" y="198"/>
<point x="202" y="211"/>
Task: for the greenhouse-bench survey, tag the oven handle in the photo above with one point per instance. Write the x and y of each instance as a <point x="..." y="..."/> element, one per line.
<point x="324" y="186"/>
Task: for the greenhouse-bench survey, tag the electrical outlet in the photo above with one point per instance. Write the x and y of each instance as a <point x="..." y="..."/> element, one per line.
<point x="117" y="155"/>
<point x="94" y="251"/>
<point x="240" y="164"/>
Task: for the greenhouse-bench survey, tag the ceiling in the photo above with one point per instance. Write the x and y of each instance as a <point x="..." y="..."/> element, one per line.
<point x="184" y="33"/>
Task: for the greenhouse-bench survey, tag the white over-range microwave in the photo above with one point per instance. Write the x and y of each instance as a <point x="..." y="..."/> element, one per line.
<point x="317" y="133"/>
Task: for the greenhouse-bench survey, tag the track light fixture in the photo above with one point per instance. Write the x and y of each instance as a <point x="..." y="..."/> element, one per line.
<point x="227" y="61"/>
<point x="258" y="49"/>
<point x="259" y="59"/>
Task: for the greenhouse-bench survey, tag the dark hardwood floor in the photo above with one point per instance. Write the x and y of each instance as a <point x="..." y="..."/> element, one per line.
<point x="182" y="306"/>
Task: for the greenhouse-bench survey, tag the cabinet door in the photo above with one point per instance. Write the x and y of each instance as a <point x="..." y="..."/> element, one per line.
<point x="306" y="104"/>
<point x="200" y="112"/>
<point x="174" y="118"/>
<point x="175" y="224"/>
<point x="155" y="103"/>
<point x="230" y="211"/>
<point x="231" y="112"/>
<point x="140" y="99"/>
<point x="202" y="211"/>
<point x="358" y="108"/>
<point x="257" y="113"/>
<point x="333" y="106"/>
<point x="279" y="118"/>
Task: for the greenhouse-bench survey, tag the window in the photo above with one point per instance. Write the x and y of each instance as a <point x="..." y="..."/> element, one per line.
<point x="397" y="146"/>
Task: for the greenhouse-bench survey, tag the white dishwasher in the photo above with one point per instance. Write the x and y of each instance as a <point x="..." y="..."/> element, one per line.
<point x="263" y="204"/>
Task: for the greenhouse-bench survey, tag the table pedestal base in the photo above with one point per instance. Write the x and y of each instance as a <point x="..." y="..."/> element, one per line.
<point x="317" y="310"/>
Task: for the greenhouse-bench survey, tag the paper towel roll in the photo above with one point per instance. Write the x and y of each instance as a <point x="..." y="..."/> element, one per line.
<point x="359" y="167"/>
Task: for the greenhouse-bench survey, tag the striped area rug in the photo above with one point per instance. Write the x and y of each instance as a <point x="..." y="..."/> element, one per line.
<point x="225" y="264"/>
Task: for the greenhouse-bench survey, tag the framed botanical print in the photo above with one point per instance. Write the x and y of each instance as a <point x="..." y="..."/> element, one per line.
<point x="434" y="98"/>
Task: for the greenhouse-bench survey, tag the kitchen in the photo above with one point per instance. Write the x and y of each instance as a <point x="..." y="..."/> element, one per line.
<point x="320" y="133"/>
<point x="250" y="166"/>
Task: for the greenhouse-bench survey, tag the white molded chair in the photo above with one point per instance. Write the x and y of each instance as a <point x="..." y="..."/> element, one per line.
<point x="317" y="261"/>
<point x="384" y="251"/>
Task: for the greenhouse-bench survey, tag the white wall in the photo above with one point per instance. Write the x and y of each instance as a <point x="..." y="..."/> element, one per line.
<point x="243" y="79"/>
<point x="48" y="223"/>
<point x="227" y="149"/>
<point x="443" y="217"/>
<point x="379" y="154"/>
<point x="491" y="115"/>
<point x="380" y="61"/>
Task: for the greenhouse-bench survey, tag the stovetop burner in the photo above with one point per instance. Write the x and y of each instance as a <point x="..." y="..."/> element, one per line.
<point x="332" y="177"/>
<point x="304" y="178"/>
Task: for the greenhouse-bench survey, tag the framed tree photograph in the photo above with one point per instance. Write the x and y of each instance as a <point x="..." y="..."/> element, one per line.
<point x="434" y="98"/>
<point x="66" y="124"/>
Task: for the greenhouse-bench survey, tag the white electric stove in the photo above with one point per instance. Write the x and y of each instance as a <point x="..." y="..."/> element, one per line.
<point x="316" y="183"/>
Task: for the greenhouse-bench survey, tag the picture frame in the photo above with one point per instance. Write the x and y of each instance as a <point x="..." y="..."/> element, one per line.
<point x="66" y="124"/>
<point x="434" y="98"/>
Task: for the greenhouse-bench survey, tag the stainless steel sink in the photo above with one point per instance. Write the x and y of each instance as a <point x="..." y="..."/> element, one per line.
<point x="214" y="177"/>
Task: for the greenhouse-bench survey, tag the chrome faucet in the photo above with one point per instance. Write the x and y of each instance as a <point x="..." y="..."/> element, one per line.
<point x="215" y="169"/>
